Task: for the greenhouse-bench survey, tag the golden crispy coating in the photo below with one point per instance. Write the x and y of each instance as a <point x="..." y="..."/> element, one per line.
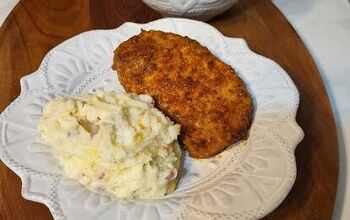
<point x="190" y="85"/>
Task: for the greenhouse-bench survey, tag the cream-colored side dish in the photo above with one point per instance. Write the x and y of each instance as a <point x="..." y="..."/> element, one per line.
<point x="119" y="144"/>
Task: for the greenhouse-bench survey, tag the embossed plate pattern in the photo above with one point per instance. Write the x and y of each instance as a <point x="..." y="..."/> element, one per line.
<point x="246" y="181"/>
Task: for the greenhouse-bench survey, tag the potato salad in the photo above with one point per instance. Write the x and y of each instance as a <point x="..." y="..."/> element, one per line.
<point x="119" y="144"/>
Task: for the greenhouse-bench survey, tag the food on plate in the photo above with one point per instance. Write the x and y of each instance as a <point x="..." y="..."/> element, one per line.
<point x="119" y="144"/>
<point x="190" y="85"/>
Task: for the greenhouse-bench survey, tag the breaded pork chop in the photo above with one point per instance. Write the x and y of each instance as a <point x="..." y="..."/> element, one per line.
<point x="190" y="85"/>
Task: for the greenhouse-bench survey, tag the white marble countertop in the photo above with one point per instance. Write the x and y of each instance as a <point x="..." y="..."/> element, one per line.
<point x="324" y="26"/>
<point x="5" y="8"/>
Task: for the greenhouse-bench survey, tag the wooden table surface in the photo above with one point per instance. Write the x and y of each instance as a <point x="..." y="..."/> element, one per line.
<point x="36" y="26"/>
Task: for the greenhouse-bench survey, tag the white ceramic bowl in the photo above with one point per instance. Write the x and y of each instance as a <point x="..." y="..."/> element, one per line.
<point x="196" y="9"/>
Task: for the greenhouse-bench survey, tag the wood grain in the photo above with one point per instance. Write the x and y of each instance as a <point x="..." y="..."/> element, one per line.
<point x="36" y="26"/>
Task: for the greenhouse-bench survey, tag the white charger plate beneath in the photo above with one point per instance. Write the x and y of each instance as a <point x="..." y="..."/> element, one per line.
<point x="246" y="181"/>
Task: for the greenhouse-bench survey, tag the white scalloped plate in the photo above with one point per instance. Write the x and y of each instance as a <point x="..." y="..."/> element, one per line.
<point x="246" y="181"/>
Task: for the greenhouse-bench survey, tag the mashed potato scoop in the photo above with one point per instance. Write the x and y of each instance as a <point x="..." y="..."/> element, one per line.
<point x="119" y="144"/>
